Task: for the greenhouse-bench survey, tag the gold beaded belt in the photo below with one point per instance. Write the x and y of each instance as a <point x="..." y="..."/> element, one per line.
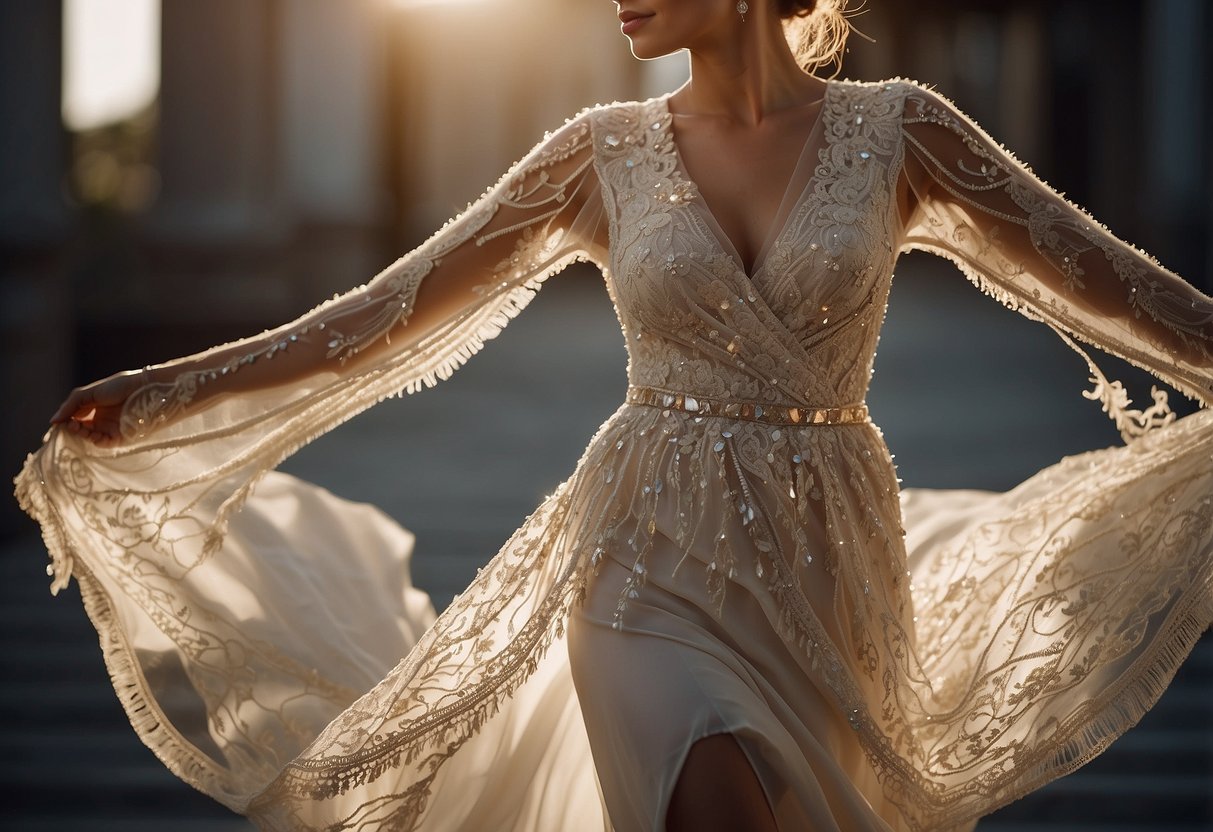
<point x="774" y="414"/>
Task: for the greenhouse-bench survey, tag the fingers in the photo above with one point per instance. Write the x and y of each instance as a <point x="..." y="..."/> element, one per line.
<point x="106" y="424"/>
<point x="82" y="416"/>
<point x="103" y="432"/>
<point x="92" y="412"/>
<point x="80" y="405"/>
<point x="70" y="405"/>
<point x="83" y="405"/>
<point x="86" y="412"/>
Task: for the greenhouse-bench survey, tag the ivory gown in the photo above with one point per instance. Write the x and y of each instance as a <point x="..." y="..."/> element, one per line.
<point x="728" y="554"/>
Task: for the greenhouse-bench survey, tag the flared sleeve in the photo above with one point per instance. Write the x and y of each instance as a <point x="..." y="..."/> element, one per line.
<point x="1028" y="246"/>
<point x="196" y="598"/>
<point x="1050" y="618"/>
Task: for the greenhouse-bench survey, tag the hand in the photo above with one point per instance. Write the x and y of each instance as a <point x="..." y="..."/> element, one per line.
<point x="94" y="411"/>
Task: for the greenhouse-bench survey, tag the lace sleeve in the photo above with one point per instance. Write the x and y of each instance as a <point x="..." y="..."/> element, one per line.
<point x="428" y="311"/>
<point x="1028" y="246"/>
<point x="198" y="437"/>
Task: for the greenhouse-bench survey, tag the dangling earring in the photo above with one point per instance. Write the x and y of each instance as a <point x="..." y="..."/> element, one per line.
<point x="742" y="8"/>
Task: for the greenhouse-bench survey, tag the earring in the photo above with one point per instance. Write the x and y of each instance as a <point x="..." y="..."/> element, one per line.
<point x="742" y="8"/>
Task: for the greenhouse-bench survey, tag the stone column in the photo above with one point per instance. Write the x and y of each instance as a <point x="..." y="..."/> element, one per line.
<point x="218" y="228"/>
<point x="335" y="80"/>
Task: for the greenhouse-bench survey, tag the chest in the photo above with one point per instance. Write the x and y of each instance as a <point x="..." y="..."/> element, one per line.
<point x="744" y="174"/>
<point x="801" y="219"/>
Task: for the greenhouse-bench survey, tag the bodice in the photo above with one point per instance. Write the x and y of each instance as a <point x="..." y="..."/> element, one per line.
<point x="801" y="330"/>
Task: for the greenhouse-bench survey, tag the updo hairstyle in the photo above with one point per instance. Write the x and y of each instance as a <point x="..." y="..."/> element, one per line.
<point x="816" y="30"/>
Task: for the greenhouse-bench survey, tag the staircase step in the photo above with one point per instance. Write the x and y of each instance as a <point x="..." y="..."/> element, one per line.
<point x="1160" y="752"/>
<point x="108" y="792"/>
<point x="1105" y="799"/>
<point x="134" y="823"/>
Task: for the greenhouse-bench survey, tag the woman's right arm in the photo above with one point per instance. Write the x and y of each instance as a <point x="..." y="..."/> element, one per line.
<point x="542" y="214"/>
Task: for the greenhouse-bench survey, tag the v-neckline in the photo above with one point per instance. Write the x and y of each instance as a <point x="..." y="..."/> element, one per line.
<point x="726" y="245"/>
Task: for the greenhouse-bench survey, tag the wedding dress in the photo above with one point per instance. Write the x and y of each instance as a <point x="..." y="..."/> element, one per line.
<point x="728" y="555"/>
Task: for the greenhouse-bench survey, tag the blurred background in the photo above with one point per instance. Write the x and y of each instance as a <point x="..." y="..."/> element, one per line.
<point x="176" y="173"/>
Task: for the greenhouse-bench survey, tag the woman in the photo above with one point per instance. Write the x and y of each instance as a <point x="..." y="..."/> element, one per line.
<point x="715" y="622"/>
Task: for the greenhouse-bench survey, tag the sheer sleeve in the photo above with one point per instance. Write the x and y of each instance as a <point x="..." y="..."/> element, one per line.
<point x="208" y="425"/>
<point x="234" y="637"/>
<point x="1031" y="248"/>
<point x="417" y="320"/>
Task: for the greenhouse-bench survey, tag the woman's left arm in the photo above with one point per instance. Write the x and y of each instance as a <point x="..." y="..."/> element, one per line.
<point x="1031" y="248"/>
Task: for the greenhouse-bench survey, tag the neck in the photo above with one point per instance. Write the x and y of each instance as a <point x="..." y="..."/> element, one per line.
<point x="747" y="73"/>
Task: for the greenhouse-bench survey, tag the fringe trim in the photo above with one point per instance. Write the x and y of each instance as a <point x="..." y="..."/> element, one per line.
<point x="149" y="722"/>
<point x="509" y="305"/>
<point x="926" y="807"/>
<point x="443" y="737"/>
<point x="31" y="497"/>
<point x="177" y="754"/>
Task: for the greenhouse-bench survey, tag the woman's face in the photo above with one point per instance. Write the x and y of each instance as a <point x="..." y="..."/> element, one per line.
<point x="660" y="27"/>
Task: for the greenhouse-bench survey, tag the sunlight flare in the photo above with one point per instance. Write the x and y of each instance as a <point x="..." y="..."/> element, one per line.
<point x="111" y="60"/>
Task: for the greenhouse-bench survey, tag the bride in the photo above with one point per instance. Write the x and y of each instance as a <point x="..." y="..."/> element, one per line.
<point x="728" y="616"/>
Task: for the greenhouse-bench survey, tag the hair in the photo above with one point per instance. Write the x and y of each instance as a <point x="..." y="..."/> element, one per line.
<point x="816" y="30"/>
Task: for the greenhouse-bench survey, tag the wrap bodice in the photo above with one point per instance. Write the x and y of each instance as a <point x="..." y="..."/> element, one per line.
<point x="802" y="329"/>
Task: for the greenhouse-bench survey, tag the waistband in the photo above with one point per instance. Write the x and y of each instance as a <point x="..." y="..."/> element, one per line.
<point x="773" y="414"/>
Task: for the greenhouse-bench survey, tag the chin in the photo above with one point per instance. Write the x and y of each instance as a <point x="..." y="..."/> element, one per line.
<point x="647" y="51"/>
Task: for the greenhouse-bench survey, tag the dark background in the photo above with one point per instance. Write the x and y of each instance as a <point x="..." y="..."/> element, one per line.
<point x="297" y="146"/>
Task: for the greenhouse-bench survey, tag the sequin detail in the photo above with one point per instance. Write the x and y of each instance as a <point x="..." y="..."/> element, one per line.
<point x="771" y="414"/>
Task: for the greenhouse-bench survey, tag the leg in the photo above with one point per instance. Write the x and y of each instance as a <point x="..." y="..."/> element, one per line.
<point x="717" y="789"/>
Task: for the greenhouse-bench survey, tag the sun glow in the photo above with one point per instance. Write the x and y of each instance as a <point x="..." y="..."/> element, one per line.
<point x="111" y="60"/>
<point x="421" y="4"/>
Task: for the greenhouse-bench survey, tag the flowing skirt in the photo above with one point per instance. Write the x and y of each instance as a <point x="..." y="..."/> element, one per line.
<point x="296" y="675"/>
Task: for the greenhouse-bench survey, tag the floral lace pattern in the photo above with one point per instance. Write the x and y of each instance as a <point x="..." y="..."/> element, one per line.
<point x="970" y="667"/>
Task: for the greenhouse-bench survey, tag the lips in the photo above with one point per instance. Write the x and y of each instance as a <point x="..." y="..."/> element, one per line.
<point x="632" y="21"/>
